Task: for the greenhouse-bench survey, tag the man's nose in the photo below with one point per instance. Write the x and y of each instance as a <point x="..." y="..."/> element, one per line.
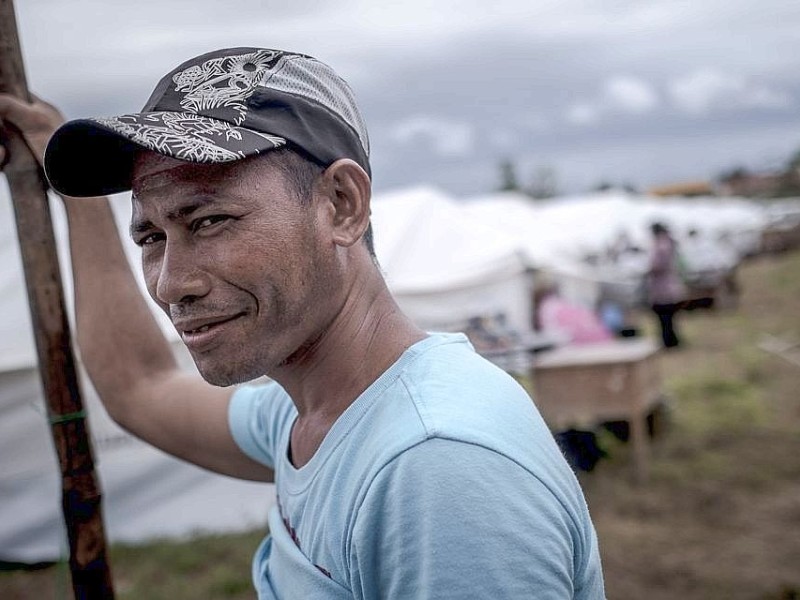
<point x="181" y="277"/>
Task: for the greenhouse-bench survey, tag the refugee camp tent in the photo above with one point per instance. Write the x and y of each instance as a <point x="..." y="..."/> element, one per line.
<point x="444" y="266"/>
<point x="573" y="237"/>
<point x="555" y="237"/>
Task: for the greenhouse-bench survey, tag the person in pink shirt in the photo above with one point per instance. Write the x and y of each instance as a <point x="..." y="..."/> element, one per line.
<point x="574" y="322"/>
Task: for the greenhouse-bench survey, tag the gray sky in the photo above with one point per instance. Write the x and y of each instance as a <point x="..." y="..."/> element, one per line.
<point x="645" y="92"/>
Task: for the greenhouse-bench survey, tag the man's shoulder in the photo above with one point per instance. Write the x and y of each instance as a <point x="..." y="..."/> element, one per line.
<point x="452" y="386"/>
<point x="446" y="391"/>
<point x="461" y="397"/>
<point x="448" y="361"/>
<point x="442" y="388"/>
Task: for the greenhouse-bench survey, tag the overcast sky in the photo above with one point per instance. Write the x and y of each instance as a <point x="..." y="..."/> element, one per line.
<point x="645" y="92"/>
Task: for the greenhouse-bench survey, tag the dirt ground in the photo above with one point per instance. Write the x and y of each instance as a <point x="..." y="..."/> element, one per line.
<point x="720" y="515"/>
<point x="718" y="518"/>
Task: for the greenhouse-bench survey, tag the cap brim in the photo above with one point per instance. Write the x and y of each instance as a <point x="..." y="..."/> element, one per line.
<point x="94" y="157"/>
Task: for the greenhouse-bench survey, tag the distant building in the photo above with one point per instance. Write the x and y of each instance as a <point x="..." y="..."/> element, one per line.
<point x="758" y="185"/>
<point x="738" y="182"/>
<point x="686" y="188"/>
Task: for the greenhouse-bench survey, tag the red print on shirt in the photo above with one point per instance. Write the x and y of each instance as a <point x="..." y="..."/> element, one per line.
<point x="293" y="534"/>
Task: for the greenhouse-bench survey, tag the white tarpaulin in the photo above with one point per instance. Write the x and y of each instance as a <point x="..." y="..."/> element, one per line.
<point x="147" y="494"/>
<point x="443" y="265"/>
<point x="561" y="230"/>
<point x="560" y="234"/>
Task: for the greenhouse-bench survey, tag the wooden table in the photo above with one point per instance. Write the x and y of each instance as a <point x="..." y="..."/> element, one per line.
<point x="578" y="387"/>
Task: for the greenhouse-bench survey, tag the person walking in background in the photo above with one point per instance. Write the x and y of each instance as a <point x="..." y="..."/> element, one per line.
<point x="665" y="287"/>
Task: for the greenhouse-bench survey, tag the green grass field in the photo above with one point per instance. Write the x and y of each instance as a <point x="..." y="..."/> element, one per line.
<point x="719" y="517"/>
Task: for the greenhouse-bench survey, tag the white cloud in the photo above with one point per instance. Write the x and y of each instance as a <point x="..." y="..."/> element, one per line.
<point x="704" y="90"/>
<point x="698" y="91"/>
<point x="503" y="139"/>
<point x="537" y="123"/>
<point x="630" y="94"/>
<point x="583" y="113"/>
<point x="578" y="63"/>
<point x="446" y="137"/>
<point x="768" y="98"/>
<point x="620" y="94"/>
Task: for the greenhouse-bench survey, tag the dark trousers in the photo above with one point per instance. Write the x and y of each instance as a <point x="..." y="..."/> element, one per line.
<point x="666" y="314"/>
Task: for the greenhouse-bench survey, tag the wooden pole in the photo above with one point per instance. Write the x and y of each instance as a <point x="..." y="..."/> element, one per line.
<point x="91" y="576"/>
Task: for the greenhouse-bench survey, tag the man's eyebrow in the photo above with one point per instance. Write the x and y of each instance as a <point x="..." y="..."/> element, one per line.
<point x="140" y="227"/>
<point x="175" y="215"/>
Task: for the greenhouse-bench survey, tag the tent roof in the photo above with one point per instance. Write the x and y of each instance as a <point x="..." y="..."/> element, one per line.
<point x="426" y="242"/>
<point x="560" y="231"/>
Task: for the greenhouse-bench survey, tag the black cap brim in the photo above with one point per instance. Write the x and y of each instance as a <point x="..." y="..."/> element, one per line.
<point x="94" y="157"/>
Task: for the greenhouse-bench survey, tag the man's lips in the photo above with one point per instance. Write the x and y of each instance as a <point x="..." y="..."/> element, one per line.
<point x="199" y="332"/>
<point x="194" y="324"/>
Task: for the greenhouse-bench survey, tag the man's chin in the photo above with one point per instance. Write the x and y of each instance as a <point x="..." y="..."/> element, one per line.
<point x="223" y="375"/>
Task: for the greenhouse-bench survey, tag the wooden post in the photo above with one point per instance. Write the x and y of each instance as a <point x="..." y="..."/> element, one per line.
<point x="91" y="576"/>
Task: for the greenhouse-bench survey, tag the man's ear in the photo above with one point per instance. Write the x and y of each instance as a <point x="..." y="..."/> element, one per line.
<point x="349" y="190"/>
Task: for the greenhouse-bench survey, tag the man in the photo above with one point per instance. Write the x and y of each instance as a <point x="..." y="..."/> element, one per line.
<point x="405" y="465"/>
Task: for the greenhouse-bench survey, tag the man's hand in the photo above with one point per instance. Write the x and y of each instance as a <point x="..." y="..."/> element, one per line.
<point x="36" y="121"/>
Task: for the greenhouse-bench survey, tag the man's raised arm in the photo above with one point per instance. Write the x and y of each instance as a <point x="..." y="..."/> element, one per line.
<point x="126" y="355"/>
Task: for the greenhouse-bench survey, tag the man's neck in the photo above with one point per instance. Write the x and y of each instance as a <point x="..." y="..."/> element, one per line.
<point x="364" y="339"/>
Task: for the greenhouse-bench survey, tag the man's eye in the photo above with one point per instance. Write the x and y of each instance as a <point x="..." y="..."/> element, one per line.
<point x="150" y="239"/>
<point x="208" y="221"/>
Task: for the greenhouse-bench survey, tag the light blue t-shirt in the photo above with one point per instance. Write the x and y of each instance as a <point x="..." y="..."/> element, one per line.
<point x="440" y="481"/>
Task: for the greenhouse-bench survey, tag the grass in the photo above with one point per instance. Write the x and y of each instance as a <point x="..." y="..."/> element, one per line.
<point x="219" y="566"/>
<point x="207" y="567"/>
<point x="728" y="406"/>
<point x="719" y="517"/>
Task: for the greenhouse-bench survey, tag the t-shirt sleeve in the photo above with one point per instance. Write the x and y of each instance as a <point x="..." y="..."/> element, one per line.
<point x="258" y="417"/>
<point x="453" y="520"/>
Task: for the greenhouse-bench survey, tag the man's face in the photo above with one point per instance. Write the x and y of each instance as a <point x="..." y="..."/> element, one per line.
<point x="235" y="259"/>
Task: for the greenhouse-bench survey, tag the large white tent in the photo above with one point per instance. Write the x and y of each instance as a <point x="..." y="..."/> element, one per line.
<point x="548" y="240"/>
<point x="571" y="236"/>
<point x="571" y="227"/>
<point x="445" y="266"/>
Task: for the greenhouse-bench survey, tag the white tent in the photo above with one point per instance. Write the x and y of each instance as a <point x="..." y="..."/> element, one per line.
<point x="558" y="235"/>
<point x="554" y="237"/>
<point x="443" y="265"/>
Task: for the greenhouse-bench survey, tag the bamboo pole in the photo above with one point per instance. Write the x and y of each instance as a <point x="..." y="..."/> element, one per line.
<point x="91" y="576"/>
